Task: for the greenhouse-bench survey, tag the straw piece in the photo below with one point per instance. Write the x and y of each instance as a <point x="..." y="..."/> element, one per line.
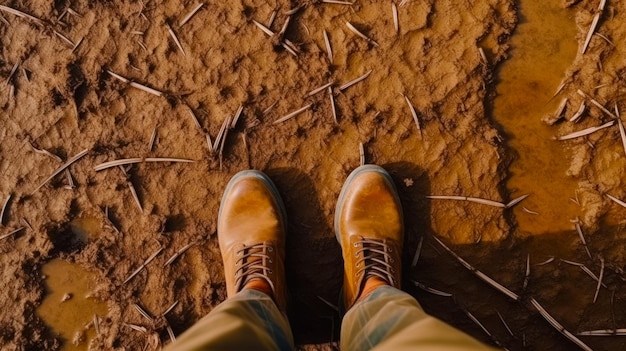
<point x="595" y="297"/>
<point x="604" y="332"/>
<point x="486" y="202"/>
<point x="190" y="14"/>
<point x="475" y="320"/>
<point x="292" y="114"/>
<point x="622" y="133"/>
<point x="516" y="201"/>
<point x="418" y="252"/>
<point x="263" y="28"/>
<point x="545" y="262"/>
<point x="320" y="89"/>
<point x="169" y="309"/>
<point x="20" y="14"/>
<point x="595" y="102"/>
<point x="505" y="324"/>
<point x="11" y="233"/>
<point x="272" y="18"/>
<point x="396" y="22"/>
<point x="152" y="138"/>
<point x="146" y="88"/>
<point x="220" y="135"/>
<point x="115" y="163"/>
<point x="558" y="325"/>
<point x="4" y="208"/>
<point x="431" y="290"/>
<point x="194" y="118"/>
<point x="480" y="274"/>
<point x="414" y="114"/>
<point x="337" y="2"/>
<point x="357" y="32"/>
<point x="578" y="113"/>
<point x="527" y="276"/>
<point x="115" y="75"/>
<point x="178" y="254"/>
<point x="361" y="154"/>
<point x="333" y="306"/>
<point x="587" y="131"/>
<point x="175" y="38"/>
<point x="616" y="200"/>
<point x="12" y="72"/>
<point x="332" y="104"/>
<point x="168" y="159"/>
<point x="65" y="39"/>
<point x="143" y="265"/>
<point x="136" y="327"/>
<point x="592" y="29"/>
<point x="236" y="118"/>
<point x="354" y="81"/>
<point x="329" y="49"/>
<point x="582" y="237"/>
<point x="63" y="167"/>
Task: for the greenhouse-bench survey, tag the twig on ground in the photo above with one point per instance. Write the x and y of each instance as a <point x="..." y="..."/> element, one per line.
<point x="179" y="253"/>
<point x="558" y="325"/>
<point x="143" y="265"/>
<point x="418" y="252"/>
<point x="320" y="89"/>
<point x="175" y="38"/>
<point x="516" y="201"/>
<point x="582" y="236"/>
<point x="396" y="22"/>
<point x="467" y="198"/>
<point x="592" y="29"/>
<point x="329" y="49"/>
<point x="430" y="290"/>
<point x="505" y="324"/>
<point x="292" y="114"/>
<point x="62" y="168"/>
<point x="354" y="81"/>
<point x="414" y="114"/>
<point x="190" y="14"/>
<point x="10" y="233"/>
<point x="332" y="104"/>
<point x="587" y="131"/>
<point x="4" y="209"/>
<point x="595" y="297"/>
<point x="480" y="274"/>
<point x="127" y="161"/>
<point x="357" y="32"/>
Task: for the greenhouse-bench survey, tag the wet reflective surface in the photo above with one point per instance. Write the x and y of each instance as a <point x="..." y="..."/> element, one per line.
<point x="543" y="47"/>
<point x="70" y="318"/>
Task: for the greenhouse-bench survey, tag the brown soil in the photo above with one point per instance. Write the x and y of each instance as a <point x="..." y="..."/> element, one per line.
<point x="64" y="101"/>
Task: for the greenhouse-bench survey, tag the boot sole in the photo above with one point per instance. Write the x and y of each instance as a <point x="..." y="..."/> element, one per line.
<point x="270" y="186"/>
<point x="355" y="173"/>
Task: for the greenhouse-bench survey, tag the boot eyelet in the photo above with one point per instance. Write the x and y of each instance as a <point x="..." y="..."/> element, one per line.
<point x="270" y="271"/>
<point x="356" y="245"/>
<point x="270" y="249"/>
<point x="391" y="260"/>
<point x="270" y="260"/>
<point x="390" y="250"/>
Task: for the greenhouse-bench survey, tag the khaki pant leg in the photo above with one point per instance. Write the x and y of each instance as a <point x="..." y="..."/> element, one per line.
<point x="248" y="321"/>
<point x="390" y="319"/>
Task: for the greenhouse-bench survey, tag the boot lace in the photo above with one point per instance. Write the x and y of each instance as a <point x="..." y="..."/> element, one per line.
<point x="374" y="260"/>
<point x="253" y="262"/>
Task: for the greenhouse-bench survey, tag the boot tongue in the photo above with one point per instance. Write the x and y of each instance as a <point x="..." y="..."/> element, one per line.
<point x="254" y="263"/>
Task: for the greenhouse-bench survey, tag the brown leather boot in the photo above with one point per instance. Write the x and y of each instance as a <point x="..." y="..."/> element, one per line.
<point x="370" y="230"/>
<point x="251" y="229"/>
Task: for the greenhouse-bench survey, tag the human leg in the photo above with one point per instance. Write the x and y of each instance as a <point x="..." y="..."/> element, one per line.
<point x="369" y="228"/>
<point x="251" y="232"/>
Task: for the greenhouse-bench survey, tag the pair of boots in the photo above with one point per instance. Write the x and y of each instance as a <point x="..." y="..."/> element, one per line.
<point x="252" y="226"/>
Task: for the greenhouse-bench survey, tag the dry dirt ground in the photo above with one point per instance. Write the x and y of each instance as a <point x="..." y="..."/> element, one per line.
<point x="63" y="97"/>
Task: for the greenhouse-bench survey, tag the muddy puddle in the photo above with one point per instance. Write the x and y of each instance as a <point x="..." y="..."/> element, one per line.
<point x="68" y="308"/>
<point x="543" y="47"/>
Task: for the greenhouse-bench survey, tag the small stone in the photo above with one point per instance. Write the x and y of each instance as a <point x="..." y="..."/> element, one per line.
<point x="66" y="297"/>
<point x="408" y="182"/>
<point x="79" y="338"/>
